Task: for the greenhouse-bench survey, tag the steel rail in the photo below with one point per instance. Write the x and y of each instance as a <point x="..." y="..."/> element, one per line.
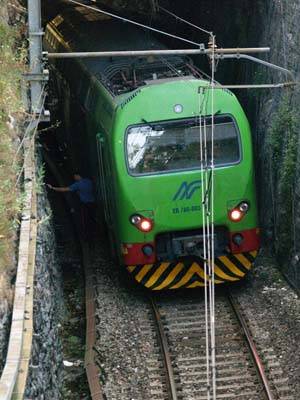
<point x="139" y="53"/>
<point x="165" y="350"/>
<point x="92" y="371"/>
<point x="251" y="344"/>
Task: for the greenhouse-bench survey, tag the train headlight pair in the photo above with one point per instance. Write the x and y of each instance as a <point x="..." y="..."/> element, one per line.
<point x="238" y="213"/>
<point x="142" y="223"/>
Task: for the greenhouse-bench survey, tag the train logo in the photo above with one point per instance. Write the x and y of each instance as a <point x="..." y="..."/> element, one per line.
<point x="187" y="190"/>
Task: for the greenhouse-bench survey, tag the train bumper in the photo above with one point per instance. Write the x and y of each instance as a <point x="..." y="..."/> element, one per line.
<point x="190" y="274"/>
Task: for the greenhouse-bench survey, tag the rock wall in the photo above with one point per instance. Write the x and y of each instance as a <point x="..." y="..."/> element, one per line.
<point x="46" y="369"/>
<point x="5" y="321"/>
<point x="277" y="134"/>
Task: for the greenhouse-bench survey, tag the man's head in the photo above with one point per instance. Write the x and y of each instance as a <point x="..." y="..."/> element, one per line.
<point x="76" y="176"/>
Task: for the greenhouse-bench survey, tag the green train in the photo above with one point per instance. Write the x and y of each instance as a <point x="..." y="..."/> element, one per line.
<point x="141" y="142"/>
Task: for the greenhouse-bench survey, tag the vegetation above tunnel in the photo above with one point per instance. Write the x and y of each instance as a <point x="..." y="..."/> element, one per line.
<point x="11" y="113"/>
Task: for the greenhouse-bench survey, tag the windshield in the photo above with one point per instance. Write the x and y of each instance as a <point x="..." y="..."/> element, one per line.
<point x="176" y="146"/>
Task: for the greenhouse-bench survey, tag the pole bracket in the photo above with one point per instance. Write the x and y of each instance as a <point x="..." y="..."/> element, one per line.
<point x="37" y="33"/>
<point x="37" y="77"/>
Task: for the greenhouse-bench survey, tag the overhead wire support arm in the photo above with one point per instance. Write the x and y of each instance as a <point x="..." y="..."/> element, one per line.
<point x="255" y="86"/>
<point x="256" y="60"/>
<point x="258" y="86"/>
<point x="139" y="53"/>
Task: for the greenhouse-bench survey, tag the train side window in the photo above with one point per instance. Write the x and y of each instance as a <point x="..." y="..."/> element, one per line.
<point x="79" y="87"/>
<point x="102" y="174"/>
<point x="86" y="99"/>
<point x="84" y="89"/>
<point x="90" y="99"/>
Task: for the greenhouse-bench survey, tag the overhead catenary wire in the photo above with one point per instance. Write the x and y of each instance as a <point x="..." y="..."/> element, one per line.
<point x="207" y="271"/>
<point x="207" y="201"/>
<point x="204" y="162"/>
<point x="212" y="313"/>
<point x="201" y="139"/>
<point x="208" y="251"/>
<point x="184" y="20"/>
<point x="133" y="22"/>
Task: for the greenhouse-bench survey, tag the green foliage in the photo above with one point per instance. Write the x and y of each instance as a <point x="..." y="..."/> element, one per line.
<point x="283" y="143"/>
<point x="11" y="67"/>
<point x="75" y="347"/>
<point x="40" y="175"/>
<point x="283" y="131"/>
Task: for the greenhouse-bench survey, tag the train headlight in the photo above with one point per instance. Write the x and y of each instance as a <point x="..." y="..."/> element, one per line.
<point x="238" y="213"/>
<point x="135" y="219"/>
<point x="142" y="223"/>
<point x="244" y="207"/>
<point x="146" y="225"/>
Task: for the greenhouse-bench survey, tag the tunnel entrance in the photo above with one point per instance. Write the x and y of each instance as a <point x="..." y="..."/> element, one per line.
<point x="234" y="24"/>
<point x="240" y="24"/>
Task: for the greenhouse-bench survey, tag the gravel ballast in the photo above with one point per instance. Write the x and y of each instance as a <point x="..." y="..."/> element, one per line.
<point x="124" y="346"/>
<point x="273" y="310"/>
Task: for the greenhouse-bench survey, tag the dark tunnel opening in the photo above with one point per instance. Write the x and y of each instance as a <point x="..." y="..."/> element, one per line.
<point x="234" y="23"/>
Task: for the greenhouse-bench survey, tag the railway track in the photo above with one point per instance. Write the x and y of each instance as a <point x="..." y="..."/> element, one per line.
<point x="92" y="371"/>
<point x="178" y="367"/>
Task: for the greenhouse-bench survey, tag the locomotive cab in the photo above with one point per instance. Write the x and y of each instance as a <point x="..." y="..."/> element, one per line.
<point x="162" y="188"/>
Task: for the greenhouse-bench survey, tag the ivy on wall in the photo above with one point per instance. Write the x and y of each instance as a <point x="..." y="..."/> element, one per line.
<point x="283" y="143"/>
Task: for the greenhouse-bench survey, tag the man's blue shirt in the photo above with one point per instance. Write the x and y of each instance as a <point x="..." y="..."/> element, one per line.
<point x="84" y="188"/>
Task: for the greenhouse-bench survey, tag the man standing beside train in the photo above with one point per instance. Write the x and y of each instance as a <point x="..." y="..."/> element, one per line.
<point x="84" y="189"/>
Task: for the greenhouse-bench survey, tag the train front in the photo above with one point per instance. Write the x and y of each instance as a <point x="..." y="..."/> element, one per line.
<point x="157" y="147"/>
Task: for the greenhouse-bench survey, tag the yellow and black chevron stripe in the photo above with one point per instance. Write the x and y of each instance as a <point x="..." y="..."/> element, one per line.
<point x="190" y="274"/>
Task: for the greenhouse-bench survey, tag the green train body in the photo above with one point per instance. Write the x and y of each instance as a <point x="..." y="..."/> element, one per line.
<point x="143" y="146"/>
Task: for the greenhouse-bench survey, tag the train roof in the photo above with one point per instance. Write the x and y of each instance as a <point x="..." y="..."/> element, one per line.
<point x="81" y="29"/>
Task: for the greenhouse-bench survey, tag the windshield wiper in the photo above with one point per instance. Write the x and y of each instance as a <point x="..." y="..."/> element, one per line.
<point x="148" y="123"/>
<point x="152" y="126"/>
